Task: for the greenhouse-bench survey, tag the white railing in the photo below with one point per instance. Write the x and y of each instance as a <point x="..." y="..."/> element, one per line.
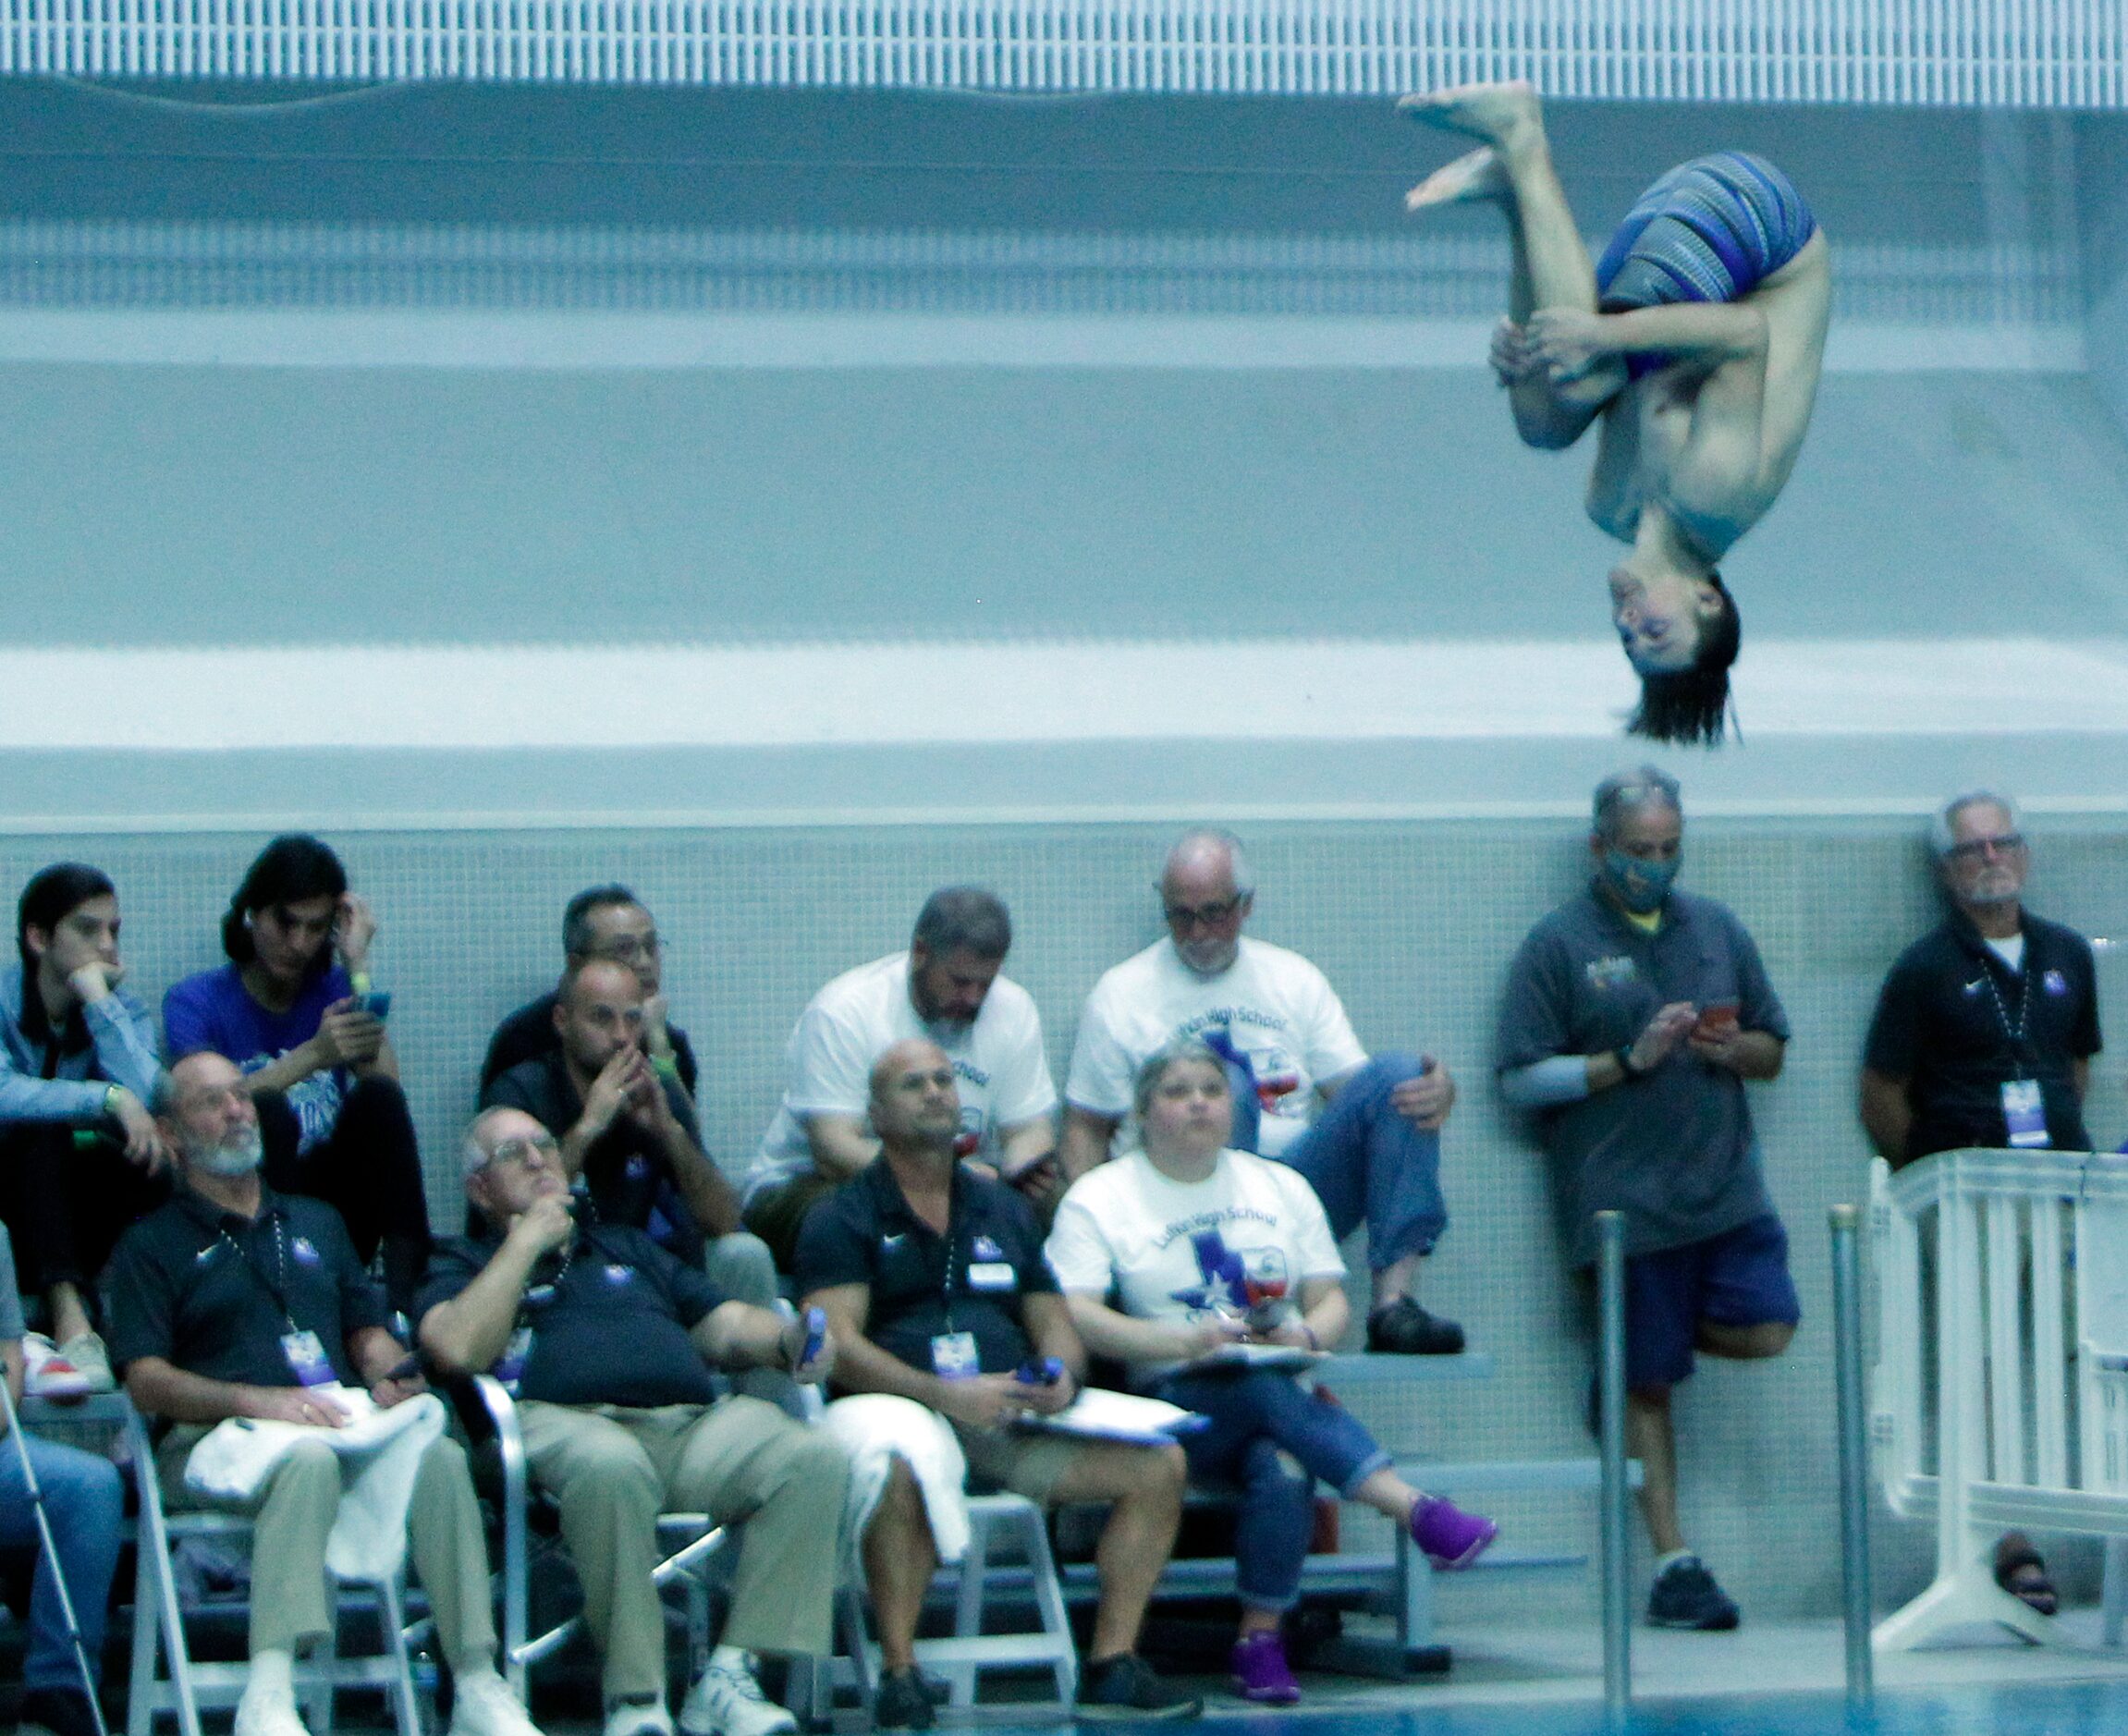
<point x="2052" y="54"/>
<point x="2005" y="1275"/>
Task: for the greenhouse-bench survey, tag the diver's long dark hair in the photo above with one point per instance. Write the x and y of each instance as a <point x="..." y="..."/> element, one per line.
<point x="1690" y="706"/>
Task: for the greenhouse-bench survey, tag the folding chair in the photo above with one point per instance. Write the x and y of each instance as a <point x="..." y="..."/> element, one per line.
<point x="997" y="1524"/>
<point x="692" y="1540"/>
<point x="186" y="1686"/>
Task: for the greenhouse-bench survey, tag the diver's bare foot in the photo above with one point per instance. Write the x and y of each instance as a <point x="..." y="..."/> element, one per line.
<point x="1477" y="175"/>
<point x="1495" y="113"/>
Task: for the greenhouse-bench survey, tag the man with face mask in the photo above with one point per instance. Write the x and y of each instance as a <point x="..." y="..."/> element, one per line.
<point x="1633" y="1017"/>
<point x="237" y="1301"/>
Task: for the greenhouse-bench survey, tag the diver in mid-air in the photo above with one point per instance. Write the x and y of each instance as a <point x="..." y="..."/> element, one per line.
<point x="1697" y="338"/>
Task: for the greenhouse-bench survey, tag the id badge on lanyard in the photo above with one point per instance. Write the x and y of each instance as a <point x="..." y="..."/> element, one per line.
<point x="2024" y="1114"/>
<point x="307" y="1358"/>
<point x="953" y="1355"/>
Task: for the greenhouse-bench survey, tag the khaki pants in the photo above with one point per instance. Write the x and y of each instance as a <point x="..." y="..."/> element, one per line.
<point x="293" y="1516"/>
<point x="613" y="1470"/>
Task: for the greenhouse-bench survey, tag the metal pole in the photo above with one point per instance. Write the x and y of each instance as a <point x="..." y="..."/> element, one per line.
<point x="1853" y="1452"/>
<point x="1610" y="1407"/>
<point x="12" y="1421"/>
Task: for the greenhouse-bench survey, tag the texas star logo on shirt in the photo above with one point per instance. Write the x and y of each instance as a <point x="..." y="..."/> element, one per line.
<point x="2054" y="982"/>
<point x="303" y="1250"/>
<point x="983" y="1248"/>
<point x="619" y="1274"/>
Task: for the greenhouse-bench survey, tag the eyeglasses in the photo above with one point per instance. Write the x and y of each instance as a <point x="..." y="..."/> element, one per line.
<point x="1976" y="848"/>
<point x="1203" y="916"/>
<point x="523" y="1151"/>
<point x="629" y="949"/>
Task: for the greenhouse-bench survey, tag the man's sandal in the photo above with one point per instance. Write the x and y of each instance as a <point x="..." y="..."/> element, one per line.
<point x="2021" y="1571"/>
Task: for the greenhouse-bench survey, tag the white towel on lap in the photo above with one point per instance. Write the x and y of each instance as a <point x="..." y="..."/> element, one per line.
<point x="384" y="1452"/>
<point x="874" y="1427"/>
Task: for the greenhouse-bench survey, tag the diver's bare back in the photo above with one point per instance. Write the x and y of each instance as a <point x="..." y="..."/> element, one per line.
<point x="1714" y="444"/>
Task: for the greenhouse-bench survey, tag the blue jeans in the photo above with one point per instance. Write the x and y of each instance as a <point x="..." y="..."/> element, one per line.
<point x="84" y="1502"/>
<point x="1364" y="1159"/>
<point x="1273" y="1438"/>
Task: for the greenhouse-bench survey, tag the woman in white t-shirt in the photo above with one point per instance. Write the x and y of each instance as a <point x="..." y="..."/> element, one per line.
<point x="1202" y="1248"/>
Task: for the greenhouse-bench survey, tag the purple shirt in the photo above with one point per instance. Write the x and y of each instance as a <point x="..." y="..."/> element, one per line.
<point x="214" y="1010"/>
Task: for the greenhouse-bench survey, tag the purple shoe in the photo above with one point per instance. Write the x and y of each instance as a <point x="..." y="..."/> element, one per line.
<point x="1261" y="1674"/>
<point x="1447" y="1536"/>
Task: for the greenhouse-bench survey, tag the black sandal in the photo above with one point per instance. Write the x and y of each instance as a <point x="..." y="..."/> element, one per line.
<point x="2021" y="1571"/>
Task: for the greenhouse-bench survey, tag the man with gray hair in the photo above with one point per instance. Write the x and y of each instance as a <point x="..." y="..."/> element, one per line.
<point x="1364" y="1132"/>
<point x="1986" y="1025"/>
<point x="607" y="1341"/>
<point x="1983" y="1035"/>
<point x="944" y="989"/>
<point x="1633" y="1017"/>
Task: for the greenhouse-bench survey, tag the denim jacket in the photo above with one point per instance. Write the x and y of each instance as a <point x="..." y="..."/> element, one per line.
<point x="121" y="1051"/>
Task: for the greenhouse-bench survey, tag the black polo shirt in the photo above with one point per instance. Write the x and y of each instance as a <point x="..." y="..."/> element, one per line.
<point x="609" y="1321"/>
<point x="865" y="1233"/>
<point x="528" y="1033"/>
<point x="214" y="1293"/>
<point x="1939" y="1028"/>
<point x="625" y="1167"/>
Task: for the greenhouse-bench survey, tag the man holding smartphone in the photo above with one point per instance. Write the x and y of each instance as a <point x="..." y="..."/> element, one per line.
<point x="1633" y="1017"/>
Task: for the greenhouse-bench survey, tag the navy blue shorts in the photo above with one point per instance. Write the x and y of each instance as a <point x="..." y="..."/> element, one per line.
<point x="1738" y="1278"/>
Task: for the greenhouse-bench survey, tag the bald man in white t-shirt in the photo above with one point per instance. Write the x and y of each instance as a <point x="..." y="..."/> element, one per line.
<point x="946" y="989"/>
<point x="1366" y="1133"/>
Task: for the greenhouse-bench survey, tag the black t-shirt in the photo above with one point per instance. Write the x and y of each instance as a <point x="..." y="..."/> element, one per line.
<point x="1944" y="1023"/>
<point x="609" y="1321"/>
<point x="528" y="1033"/>
<point x="214" y="1293"/>
<point x="865" y="1233"/>
<point x="625" y="1170"/>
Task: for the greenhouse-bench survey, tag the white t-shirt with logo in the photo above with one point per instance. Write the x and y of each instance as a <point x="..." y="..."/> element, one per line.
<point x="1251" y="1231"/>
<point x="999" y="1064"/>
<point x="1273" y="1005"/>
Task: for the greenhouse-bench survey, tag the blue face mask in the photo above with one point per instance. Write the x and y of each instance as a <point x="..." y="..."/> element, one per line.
<point x="1640" y="885"/>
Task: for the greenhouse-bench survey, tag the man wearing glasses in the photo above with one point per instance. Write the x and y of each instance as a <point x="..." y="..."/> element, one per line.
<point x="1366" y="1133"/>
<point x="1986" y="1027"/>
<point x="1984" y="1036"/>
<point x="607" y="922"/>
<point x="608" y="1342"/>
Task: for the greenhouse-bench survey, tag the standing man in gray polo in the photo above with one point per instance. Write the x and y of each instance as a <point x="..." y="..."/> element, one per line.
<point x="1633" y="1017"/>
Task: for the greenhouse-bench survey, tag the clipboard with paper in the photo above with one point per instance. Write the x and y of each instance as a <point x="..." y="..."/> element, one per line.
<point x="1099" y="1414"/>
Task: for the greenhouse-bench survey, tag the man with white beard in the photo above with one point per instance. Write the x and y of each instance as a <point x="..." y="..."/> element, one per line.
<point x="237" y="1301"/>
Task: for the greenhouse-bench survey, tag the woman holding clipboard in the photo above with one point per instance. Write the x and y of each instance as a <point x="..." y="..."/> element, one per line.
<point x="1227" y="1282"/>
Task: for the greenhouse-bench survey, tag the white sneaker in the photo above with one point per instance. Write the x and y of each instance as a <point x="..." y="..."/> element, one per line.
<point x="639" y="1717"/>
<point x="91" y="1361"/>
<point x="268" y="1712"/>
<point x="730" y="1703"/>
<point x="483" y="1705"/>
<point x="48" y="1375"/>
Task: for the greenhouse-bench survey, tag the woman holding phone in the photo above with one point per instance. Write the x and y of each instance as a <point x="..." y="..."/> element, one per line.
<point x="294" y="1008"/>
